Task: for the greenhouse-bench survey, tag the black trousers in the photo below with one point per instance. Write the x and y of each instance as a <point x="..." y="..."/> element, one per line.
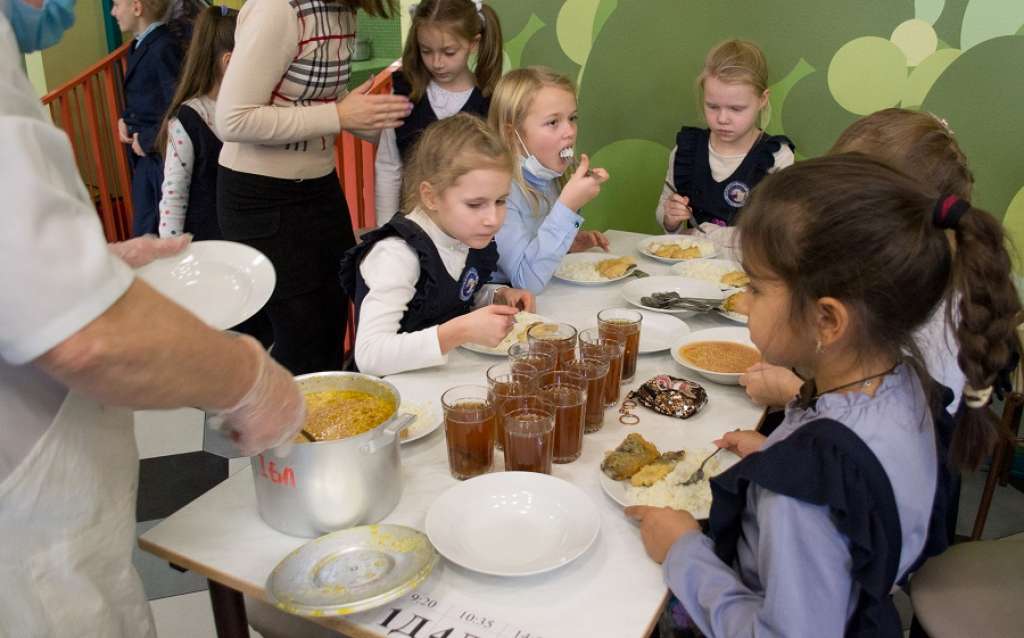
<point x="147" y="180"/>
<point x="303" y="227"/>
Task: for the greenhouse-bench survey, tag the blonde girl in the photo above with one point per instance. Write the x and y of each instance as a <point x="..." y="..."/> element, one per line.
<point x="534" y="111"/>
<point x="416" y="280"/>
<point x="712" y="170"/>
<point x="437" y="78"/>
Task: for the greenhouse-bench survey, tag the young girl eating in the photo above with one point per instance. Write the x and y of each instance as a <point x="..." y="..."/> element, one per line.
<point x="189" y="133"/>
<point x="712" y="170"/>
<point x="847" y="257"/>
<point x="534" y="111"/>
<point x="437" y="79"/>
<point x="416" y="280"/>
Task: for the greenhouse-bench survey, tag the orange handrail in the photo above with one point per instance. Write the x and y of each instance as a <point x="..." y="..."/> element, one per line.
<point x="87" y="108"/>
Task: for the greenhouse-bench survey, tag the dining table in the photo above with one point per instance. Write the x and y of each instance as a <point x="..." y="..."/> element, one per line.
<point x="612" y="590"/>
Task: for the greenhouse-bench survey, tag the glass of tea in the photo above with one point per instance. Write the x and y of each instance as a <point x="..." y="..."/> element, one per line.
<point x="469" y="429"/>
<point x="561" y="335"/>
<point x="594" y="371"/>
<point x="529" y="433"/>
<point x="503" y="386"/>
<point x="565" y="393"/>
<point x="540" y="355"/>
<point x="622" y="325"/>
<point x="592" y="345"/>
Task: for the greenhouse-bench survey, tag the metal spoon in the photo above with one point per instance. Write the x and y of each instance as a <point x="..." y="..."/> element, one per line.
<point x="689" y="220"/>
<point x="698" y="476"/>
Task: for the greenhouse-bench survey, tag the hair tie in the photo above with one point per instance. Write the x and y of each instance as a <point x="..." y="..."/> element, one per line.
<point x="224" y="9"/>
<point x="977" y="398"/>
<point x="948" y="211"/>
<point x="480" y="9"/>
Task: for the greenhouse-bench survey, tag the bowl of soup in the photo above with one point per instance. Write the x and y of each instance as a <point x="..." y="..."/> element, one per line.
<point x="350" y="472"/>
<point x="718" y="354"/>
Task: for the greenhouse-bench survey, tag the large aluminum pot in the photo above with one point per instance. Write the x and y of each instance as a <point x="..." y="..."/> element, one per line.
<point x="316" y="488"/>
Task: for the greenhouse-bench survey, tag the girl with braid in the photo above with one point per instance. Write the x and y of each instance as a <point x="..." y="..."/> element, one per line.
<point x="848" y="257"/>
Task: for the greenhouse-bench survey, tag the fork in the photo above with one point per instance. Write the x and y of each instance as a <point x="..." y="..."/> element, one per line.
<point x="698" y="475"/>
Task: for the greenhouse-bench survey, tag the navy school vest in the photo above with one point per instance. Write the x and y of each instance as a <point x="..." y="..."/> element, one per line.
<point x="826" y="463"/>
<point x="438" y="296"/>
<point x="201" y="216"/>
<point x="719" y="202"/>
<point x="423" y="114"/>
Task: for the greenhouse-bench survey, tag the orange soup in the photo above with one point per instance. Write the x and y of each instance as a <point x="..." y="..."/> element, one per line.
<point x="720" y="356"/>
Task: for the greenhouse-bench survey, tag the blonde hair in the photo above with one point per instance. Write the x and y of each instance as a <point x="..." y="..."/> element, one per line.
<point x="511" y="102"/>
<point x="735" y="62"/>
<point x="919" y="144"/>
<point x="447" y="150"/>
<point x="460" y="18"/>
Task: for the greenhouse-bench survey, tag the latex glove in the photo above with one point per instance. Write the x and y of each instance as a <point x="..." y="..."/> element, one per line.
<point x="661" y="527"/>
<point x="271" y="412"/>
<point x="140" y="251"/>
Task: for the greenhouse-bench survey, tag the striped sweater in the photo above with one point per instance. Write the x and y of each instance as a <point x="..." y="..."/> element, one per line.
<point x="276" y="109"/>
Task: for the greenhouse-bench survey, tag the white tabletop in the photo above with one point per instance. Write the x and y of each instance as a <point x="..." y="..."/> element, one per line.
<point x="613" y="590"/>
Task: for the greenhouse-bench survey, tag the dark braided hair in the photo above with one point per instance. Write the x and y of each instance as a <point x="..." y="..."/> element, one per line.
<point x="857" y="229"/>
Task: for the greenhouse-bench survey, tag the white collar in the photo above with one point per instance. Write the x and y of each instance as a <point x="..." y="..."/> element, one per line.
<point x="440" y="238"/>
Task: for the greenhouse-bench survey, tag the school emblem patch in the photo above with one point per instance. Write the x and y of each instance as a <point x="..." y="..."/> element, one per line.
<point x="470" y="280"/>
<point x="736" y="193"/>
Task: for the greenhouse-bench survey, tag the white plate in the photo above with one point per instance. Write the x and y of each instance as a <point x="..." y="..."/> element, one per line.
<point x="707" y="248"/>
<point x="517" y="335"/>
<point x="428" y="419"/>
<point x="659" y="331"/>
<point x="512" y="523"/>
<point x="635" y="290"/>
<point x="351" y="570"/>
<point x="584" y="258"/>
<point x="734" y="316"/>
<point x="710" y="270"/>
<point x="735" y="335"/>
<point x="221" y="282"/>
<point x="617" y="490"/>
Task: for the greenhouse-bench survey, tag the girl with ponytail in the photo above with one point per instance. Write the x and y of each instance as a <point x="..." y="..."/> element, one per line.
<point x="848" y="257"/>
<point x="437" y="77"/>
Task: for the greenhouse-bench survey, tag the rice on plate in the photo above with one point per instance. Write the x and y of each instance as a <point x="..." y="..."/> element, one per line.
<point x="667" y="492"/>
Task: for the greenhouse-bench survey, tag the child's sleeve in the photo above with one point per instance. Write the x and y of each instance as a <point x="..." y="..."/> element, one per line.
<point x="391" y="270"/>
<point x="387" y="177"/>
<point x="179" y="159"/>
<point x="529" y="259"/>
<point x="166" y="70"/>
<point x="783" y="157"/>
<point x="666" y="192"/>
<point x="800" y="584"/>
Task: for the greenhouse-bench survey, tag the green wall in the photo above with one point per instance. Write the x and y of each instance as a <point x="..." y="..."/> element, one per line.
<point x="635" y="62"/>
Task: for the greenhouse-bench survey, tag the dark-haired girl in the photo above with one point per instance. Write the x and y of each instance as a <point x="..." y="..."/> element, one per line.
<point x="189" y="133"/>
<point x="847" y="257"/>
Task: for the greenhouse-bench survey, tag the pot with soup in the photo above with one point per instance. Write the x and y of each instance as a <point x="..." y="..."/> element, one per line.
<point x="344" y="469"/>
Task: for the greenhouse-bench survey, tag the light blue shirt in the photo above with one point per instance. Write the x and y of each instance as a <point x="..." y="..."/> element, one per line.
<point x="142" y="36"/>
<point x="531" y="246"/>
<point x="792" y="576"/>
